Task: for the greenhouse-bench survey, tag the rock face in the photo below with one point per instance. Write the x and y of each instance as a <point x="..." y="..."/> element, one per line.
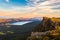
<point x="48" y="29"/>
<point x="46" y="25"/>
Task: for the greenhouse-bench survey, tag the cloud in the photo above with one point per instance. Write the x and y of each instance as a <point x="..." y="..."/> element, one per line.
<point x="7" y="1"/>
<point x="34" y="8"/>
<point x="33" y="5"/>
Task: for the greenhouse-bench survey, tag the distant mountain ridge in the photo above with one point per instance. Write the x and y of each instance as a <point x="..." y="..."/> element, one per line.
<point x="20" y="19"/>
<point x="4" y="22"/>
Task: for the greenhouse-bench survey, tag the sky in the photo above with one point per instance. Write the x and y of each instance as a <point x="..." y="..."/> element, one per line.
<point x="29" y="8"/>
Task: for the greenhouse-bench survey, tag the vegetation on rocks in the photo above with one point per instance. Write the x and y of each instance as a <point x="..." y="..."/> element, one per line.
<point x="49" y="29"/>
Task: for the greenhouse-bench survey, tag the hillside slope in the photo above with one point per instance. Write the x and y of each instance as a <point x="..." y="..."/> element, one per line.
<point x="47" y="24"/>
<point x="48" y="29"/>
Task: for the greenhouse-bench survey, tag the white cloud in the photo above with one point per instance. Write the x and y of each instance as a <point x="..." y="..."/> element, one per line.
<point x="7" y="1"/>
<point x="38" y="8"/>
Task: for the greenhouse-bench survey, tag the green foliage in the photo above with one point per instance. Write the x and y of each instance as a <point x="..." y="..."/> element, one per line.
<point x="10" y="32"/>
<point x="2" y="33"/>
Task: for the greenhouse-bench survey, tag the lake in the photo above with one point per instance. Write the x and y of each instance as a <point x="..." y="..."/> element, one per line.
<point x="21" y="23"/>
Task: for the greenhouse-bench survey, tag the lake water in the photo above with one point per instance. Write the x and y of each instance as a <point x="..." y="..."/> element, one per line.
<point x="21" y="23"/>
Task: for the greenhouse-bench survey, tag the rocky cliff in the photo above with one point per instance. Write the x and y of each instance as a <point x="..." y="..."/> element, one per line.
<point x="48" y="29"/>
<point x="47" y="24"/>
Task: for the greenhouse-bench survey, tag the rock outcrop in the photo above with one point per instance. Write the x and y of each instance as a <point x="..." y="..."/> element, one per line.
<point x="48" y="29"/>
<point x="45" y="25"/>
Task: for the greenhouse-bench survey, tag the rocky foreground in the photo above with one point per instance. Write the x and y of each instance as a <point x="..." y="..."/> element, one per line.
<point x="48" y="29"/>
